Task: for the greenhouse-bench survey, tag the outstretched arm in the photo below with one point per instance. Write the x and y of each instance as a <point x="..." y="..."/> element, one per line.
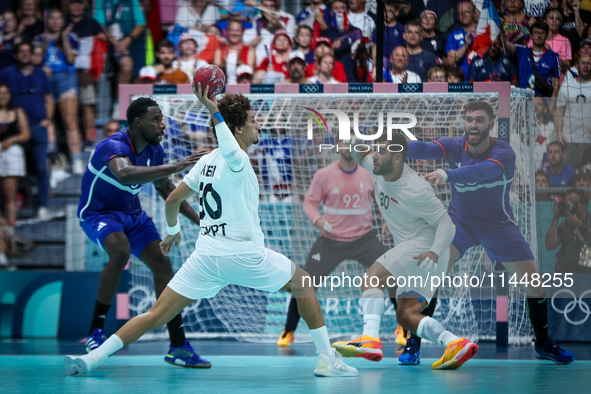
<point x="424" y="150"/>
<point x="165" y="187"/>
<point x="482" y="171"/>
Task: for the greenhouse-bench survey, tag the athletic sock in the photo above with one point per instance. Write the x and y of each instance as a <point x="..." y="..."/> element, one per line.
<point x="372" y="301"/>
<point x="433" y="331"/>
<point x="176" y="331"/>
<point x="538" y="314"/>
<point x="293" y="316"/>
<point x="99" y="316"/>
<point x="321" y="341"/>
<point x="99" y="354"/>
<point x="428" y="311"/>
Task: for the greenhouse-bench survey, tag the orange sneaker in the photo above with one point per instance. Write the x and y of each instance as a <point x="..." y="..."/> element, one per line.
<point x="365" y="346"/>
<point x="456" y="354"/>
<point x="401" y="336"/>
<point x="286" y="339"/>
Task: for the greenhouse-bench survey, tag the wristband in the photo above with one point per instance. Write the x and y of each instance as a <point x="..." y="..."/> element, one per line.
<point x="218" y="117"/>
<point x="443" y="175"/>
<point x="174" y="230"/>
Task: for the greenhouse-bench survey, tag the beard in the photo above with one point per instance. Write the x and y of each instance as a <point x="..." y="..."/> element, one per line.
<point x="482" y="136"/>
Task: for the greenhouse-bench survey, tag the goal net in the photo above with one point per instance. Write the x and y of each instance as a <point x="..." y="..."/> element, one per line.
<point x="285" y="162"/>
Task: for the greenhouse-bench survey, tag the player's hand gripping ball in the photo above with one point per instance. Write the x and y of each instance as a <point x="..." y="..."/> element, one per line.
<point x="211" y="76"/>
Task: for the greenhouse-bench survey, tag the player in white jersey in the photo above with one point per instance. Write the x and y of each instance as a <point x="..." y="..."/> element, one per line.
<point x="230" y="248"/>
<point x="422" y="232"/>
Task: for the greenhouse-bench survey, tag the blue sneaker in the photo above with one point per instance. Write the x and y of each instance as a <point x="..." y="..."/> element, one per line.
<point x="185" y="356"/>
<point x="411" y="355"/>
<point x="96" y="339"/>
<point x="551" y="351"/>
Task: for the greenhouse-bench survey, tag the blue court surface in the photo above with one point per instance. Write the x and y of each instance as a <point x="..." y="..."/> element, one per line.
<point x="140" y="368"/>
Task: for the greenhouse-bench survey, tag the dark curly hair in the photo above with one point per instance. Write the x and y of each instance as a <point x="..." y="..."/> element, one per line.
<point x="138" y="107"/>
<point x="233" y="108"/>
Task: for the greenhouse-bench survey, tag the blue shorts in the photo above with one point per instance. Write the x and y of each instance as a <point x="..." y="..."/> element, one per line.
<point x="62" y="82"/>
<point x="504" y="244"/>
<point x="139" y="229"/>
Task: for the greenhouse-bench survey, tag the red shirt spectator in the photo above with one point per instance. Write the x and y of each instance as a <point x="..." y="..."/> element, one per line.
<point x="321" y="46"/>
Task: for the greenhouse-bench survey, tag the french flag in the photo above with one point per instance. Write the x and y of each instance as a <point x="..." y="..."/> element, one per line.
<point x="488" y="29"/>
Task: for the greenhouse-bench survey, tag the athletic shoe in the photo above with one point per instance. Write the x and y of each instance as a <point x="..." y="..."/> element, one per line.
<point x="411" y="355"/>
<point x="332" y="365"/>
<point x="96" y="339"/>
<point x="456" y="354"/>
<point x="77" y="365"/>
<point x="185" y="356"/>
<point x="551" y="351"/>
<point x="286" y="339"/>
<point x="364" y="346"/>
<point x="401" y="335"/>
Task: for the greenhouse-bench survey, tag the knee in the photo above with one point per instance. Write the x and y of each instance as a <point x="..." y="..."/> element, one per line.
<point x="120" y="256"/>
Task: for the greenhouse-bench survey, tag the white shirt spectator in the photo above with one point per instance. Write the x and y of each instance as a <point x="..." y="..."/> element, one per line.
<point x="187" y="17"/>
<point x="363" y="22"/>
<point x="263" y="49"/>
<point x="577" y="117"/>
<point x="314" y="79"/>
<point x="410" y="77"/>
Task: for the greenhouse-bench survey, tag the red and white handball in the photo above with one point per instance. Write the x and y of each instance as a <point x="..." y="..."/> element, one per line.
<point x="211" y="76"/>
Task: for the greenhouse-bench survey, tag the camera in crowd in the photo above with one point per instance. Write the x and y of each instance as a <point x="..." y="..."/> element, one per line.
<point x="566" y="206"/>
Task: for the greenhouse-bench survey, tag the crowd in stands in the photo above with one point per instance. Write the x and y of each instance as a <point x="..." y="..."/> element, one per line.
<point x="55" y="54"/>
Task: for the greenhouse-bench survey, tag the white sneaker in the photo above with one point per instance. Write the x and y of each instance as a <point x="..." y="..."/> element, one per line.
<point x="333" y="365"/>
<point x="78" y="365"/>
<point x="78" y="167"/>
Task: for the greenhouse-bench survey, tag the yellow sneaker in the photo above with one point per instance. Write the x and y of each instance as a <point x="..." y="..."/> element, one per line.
<point x="401" y="336"/>
<point x="365" y="346"/>
<point x="286" y="339"/>
<point x="456" y="354"/>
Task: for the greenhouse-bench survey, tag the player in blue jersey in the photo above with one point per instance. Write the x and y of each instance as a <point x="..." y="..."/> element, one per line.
<point x="111" y="216"/>
<point x="481" y="172"/>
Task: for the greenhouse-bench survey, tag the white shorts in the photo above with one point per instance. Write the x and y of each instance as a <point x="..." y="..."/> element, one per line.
<point x="400" y="263"/>
<point x="12" y="161"/>
<point x="204" y="276"/>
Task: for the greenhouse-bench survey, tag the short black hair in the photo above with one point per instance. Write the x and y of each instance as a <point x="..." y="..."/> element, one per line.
<point x="479" y="105"/>
<point x="397" y="139"/>
<point x="542" y="173"/>
<point x="455" y="72"/>
<point x="540" y="25"/>
<point x="555" y="143"/>
<point x="138" y="107"/>
<point x="583" y="198"/>
<point x="164" y="43"/>
<point x="20" y="44"/>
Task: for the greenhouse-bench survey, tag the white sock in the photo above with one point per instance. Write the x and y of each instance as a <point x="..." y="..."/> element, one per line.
<point x="109" y="347"/>
<point x="372" y="301"/>
<point x="433" y="331"/>
<point x="321" y="341"/>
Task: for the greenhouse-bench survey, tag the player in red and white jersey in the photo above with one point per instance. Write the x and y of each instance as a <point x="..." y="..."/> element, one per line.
<point x="345" y="190"/>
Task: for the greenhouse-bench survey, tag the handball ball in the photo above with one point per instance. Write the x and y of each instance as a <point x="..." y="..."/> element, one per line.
<point x="211" y="76"/>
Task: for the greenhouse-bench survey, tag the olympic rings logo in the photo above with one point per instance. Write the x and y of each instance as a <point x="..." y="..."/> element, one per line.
<point x="410" y="87"/>
<point x="311" y="88"/>
<point x="503" y="130"/>
<point x="571" y="306"/>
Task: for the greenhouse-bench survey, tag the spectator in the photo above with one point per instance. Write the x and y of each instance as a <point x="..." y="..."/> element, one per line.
<point x="557" y="43"/>
<point x="584" y="49"/>
<point x="446" y="15"/>
<point x="399" y="72"/>
<point x="363" y="64"/>
<point x="410" y="9"/>
<point x="188" y="62"/>
<point x="542" y="182"/>
<point x="148" y="76"/>
<point x="559" y="173"/>
<point x="110" y="128"/>
<point x="60" y="52"/>
<point x="454" y="75"/>
<point x="303" y="40"/>
<point x="92" y="42"/>
<point x="244" y="74"/>
<point x="14" y="131"/>
<point x="307" y="16"/>
<point x="124" y="24"/>
<point x="38" y="55"/>
<point x="582" y="180"/>
<point x="322" y="46"/>
<point x="572" y="235"/>
<point x="30" y="19"/>
<point x="235" y="53"/>
<point x="197" y="14"/>
<point x="8" y="39"/>
<point x="166" y="73"/>
<point x="326" y="66"/>
<point x="359" y="18"/>
<point x="436" y="74"/>
<point x="536" y="8"/>
<point x="459" y="42"/>
<point x="297" y="68"/>
<point x="266" y="25"/>
<point x="393" y="31"/>
<point x="574" y="21"/>
<point x="32" y="92"/>
<point x="431" y="41"/>
<point x="573" y="113"/>
<point x="336" y="27"/>
<point x="274" y="70"/>
<point x="419" y="61"/>
<point x="494" y="66"/>
<point x="515" y="23"/>
<point x="544" y="75"/>
<point x="546" y="130"/>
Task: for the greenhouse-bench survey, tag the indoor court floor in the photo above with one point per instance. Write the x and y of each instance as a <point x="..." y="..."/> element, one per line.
<point x="35" y="366"/>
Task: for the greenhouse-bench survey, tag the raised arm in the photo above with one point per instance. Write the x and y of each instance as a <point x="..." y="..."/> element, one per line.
<point x="487" y="169"/>
<point x="424" y="150"/>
